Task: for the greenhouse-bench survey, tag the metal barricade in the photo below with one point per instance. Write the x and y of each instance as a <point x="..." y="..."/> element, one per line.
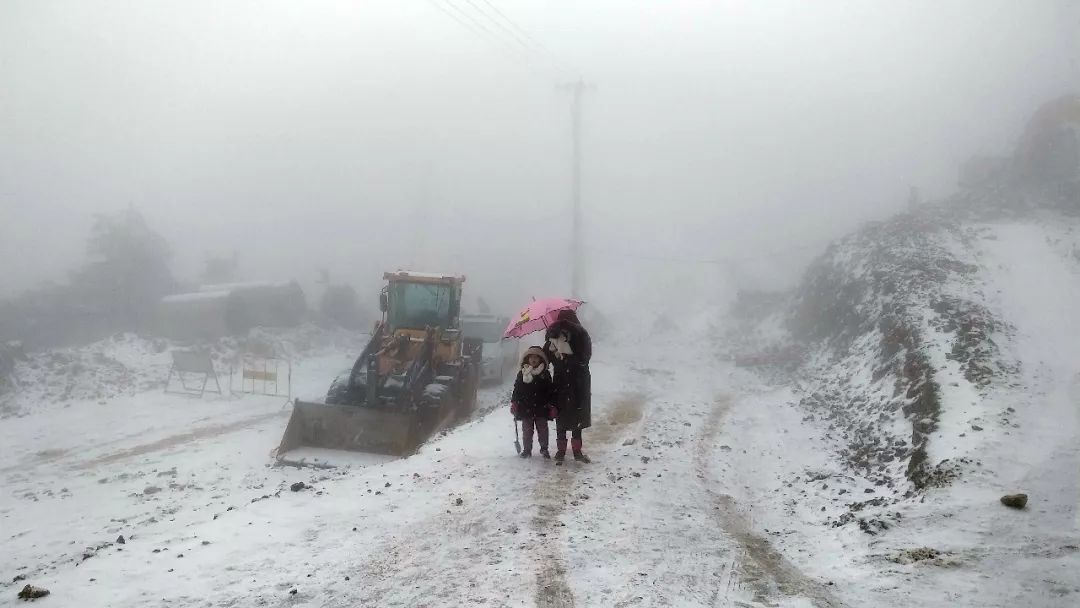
<point x="262" y="376"/>
<point x="192" y="362"/>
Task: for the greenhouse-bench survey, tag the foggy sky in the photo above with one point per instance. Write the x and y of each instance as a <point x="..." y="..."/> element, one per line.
<point x="367" y="135"/>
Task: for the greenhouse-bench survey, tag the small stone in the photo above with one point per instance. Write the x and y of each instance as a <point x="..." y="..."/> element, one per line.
<point x="629" y="441"/>
<point x="18" y="577"/>
<point x="151" y="490"/>
<point x="976" y="427"/>
<point x="292" y="592"/>
<point x="296" y="487"/>
<point x="868" y="491"/>
<point x="387" y="485"/>
<point x="459" y="501"/>
<point x="1015" y="501"/>
<point x="31" y="592"/>
<point x="205" y="542"/>
<point x="346" y="578"/>
<point x="120" y="540"/>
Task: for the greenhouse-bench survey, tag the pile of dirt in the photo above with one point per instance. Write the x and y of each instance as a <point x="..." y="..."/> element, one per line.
<point x="922" y="555"/>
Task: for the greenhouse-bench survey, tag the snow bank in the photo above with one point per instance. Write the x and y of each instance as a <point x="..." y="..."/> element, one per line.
<point x="128" y="364"/>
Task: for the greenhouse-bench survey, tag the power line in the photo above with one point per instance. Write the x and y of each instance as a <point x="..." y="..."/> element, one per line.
<point x="473" y="25"/>
<point x="471" y="19"/>
<point x="501" y="26"/>
<point x="443" y="10"/>
<point x="521" y="51"/>
<point x="525" y="34"/>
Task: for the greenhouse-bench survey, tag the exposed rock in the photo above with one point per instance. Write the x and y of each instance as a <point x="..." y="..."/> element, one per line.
<point x="31" y="592"/>
<point x="920" y="554"/>
<point x="1015" y="501"/>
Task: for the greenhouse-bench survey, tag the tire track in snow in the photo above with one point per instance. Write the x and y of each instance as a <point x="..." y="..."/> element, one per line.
<point x="171" y="441"/>
<point x="762" y="563"/>
<point x="552" y="588"/>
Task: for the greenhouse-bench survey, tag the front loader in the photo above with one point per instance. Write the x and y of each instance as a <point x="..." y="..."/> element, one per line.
<point x="416" y="375"/>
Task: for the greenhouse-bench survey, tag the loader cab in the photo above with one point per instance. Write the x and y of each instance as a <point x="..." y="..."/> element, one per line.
<point x="417" y="305"/>
<point x="422" y="312"/>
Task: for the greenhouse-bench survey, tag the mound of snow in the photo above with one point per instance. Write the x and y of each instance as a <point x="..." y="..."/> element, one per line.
<point x="127" y="364"/>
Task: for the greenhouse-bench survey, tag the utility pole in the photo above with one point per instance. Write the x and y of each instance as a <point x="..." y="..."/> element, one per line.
<point x="577" y="89"/>
<point x="420" y="212"/>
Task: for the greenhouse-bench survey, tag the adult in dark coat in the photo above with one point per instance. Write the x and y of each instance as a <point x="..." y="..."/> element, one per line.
<point x="569" y="348"/>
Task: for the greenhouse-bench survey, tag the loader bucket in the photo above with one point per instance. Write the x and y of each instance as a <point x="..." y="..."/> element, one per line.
<point x="352" y="428"/>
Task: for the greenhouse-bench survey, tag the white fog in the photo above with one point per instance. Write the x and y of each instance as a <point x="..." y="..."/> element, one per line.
<point x="828" y="266"/>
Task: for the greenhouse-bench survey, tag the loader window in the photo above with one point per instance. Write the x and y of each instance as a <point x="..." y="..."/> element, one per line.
<point x="418" y="305"/>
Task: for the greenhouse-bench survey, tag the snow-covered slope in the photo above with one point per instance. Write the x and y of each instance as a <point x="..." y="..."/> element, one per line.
<point x="942" y="372"/>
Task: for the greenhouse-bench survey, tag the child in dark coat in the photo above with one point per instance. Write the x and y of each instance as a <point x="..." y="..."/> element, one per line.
<point x="533" y="400"/>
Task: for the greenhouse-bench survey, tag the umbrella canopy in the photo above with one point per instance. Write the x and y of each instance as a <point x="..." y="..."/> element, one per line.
<point x="539" y="315"/>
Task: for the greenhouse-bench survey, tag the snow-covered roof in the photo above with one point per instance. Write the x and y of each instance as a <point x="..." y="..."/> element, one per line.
<point x="247" y="285"/>
<point x="430" y="276"/>
<point x="195" y="296"/>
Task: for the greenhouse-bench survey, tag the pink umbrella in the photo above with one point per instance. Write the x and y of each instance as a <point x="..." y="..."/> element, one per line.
<point x="539" y="315"/>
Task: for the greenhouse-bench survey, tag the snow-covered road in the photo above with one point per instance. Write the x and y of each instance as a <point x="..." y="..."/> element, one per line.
<point x="207" y="521"/>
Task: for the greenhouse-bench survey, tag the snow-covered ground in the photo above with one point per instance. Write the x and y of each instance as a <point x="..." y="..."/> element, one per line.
<point x="709" y="486"/>
<point x="208" y="521"/>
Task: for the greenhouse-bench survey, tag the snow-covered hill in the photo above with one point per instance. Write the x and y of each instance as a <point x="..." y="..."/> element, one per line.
<point x="941" y="371"/>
